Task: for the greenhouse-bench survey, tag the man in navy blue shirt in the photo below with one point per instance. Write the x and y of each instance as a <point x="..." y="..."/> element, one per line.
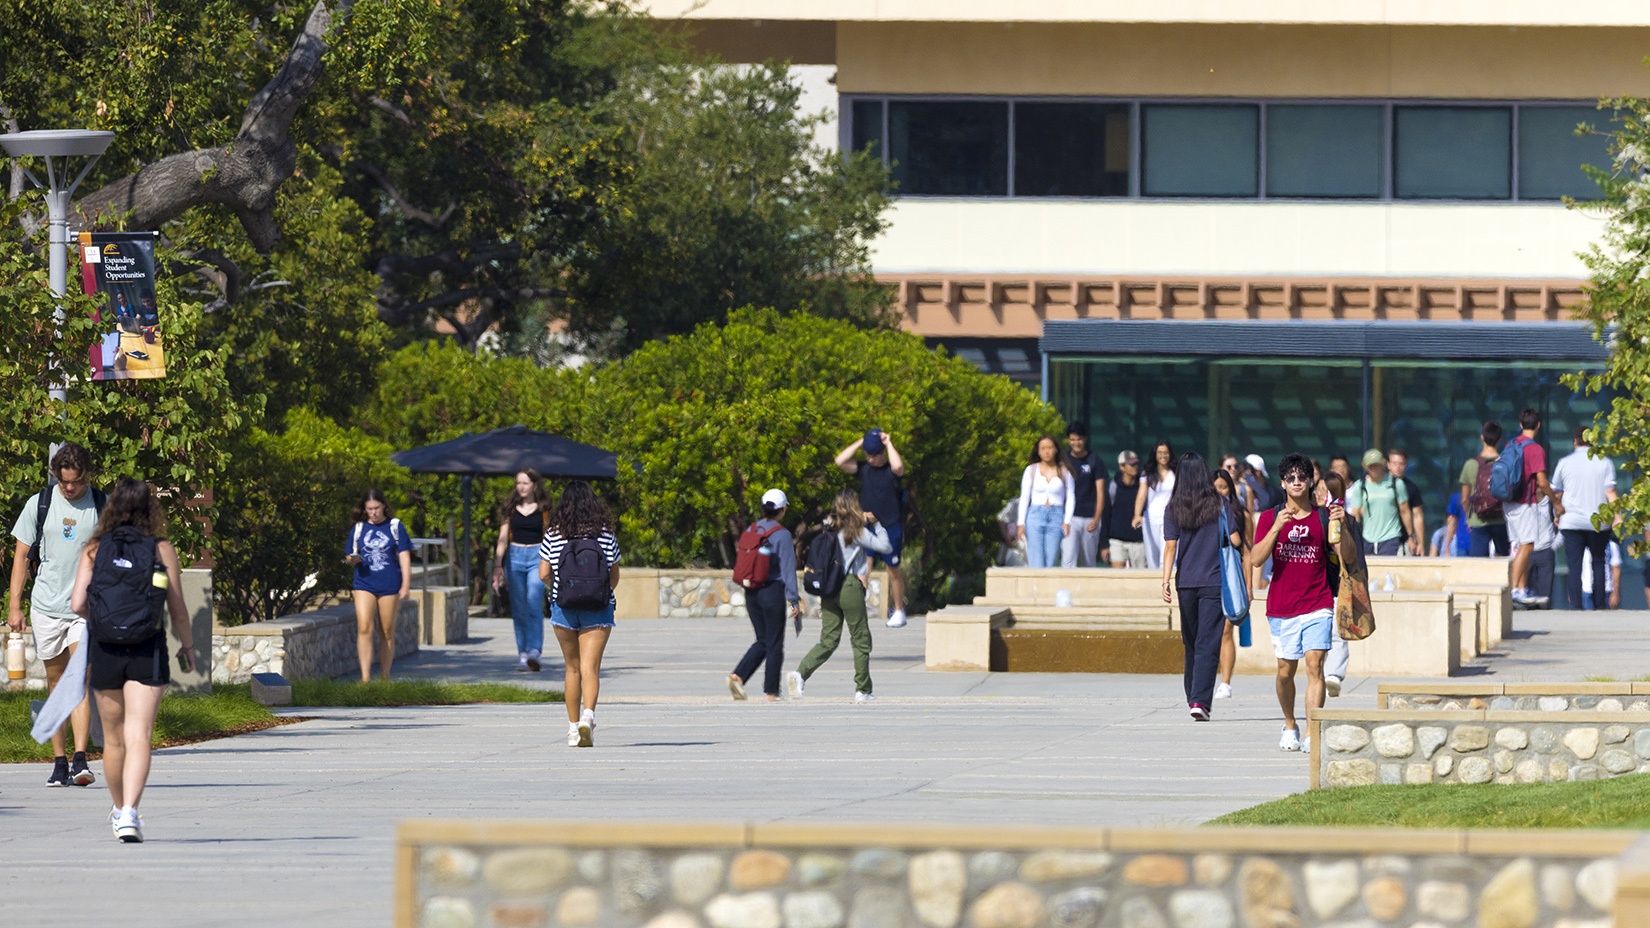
<point x="1081" y="546"/>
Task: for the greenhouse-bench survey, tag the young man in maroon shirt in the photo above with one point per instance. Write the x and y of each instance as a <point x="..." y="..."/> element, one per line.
<point x="1300" y="607"/>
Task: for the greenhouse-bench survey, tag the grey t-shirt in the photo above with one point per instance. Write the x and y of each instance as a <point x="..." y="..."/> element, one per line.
<point x="69" y="525"/>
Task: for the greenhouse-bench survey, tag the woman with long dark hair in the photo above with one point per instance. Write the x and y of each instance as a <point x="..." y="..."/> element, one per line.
<point x="1150" y="505"/>
<point x="381" y="554"/>
<point x="127" y="680"/>
<point x="766" y="599"/>
<point x="1227" y="486"/>
<point x="521" y="523"/>
<point x="1191" y="547"/>
<point x="1047" y="498"/>
<point x="579" y="563"/>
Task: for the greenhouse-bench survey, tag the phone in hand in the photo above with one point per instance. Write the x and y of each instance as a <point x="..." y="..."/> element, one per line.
<point x="185" y="661"/>
<point x="352" y="559"/>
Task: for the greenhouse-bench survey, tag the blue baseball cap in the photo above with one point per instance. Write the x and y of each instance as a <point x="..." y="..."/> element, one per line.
<point x="873" y="442"/>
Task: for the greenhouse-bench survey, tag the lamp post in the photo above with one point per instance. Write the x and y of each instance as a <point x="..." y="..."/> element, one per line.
<point x="62" y="144"/>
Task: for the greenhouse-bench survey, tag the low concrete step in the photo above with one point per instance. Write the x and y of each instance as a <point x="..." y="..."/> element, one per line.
<point x="1025" y="650"/>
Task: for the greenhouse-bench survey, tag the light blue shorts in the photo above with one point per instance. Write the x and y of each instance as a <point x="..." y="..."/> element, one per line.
<point x="580" y="619"/>
<point x="1295" y="635"/>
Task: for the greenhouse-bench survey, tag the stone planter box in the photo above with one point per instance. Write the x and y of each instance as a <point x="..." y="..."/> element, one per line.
<point x="655" y="593"/>
<point x="316" y="645"/>
<point x="1353" y="747"/>
<point x="1543" y="697"/>
<point x="468" y="874"/>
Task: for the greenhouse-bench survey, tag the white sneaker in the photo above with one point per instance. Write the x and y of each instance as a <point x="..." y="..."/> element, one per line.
<point x="794" y="684"/>
<point x="736" y="686"/>
<point x="129" y="826"/>
<point x="1306" y="745"/>
<point x="1332" y="686"/>
<point x="114" y="819"/>
<point x="1291" y="740"/>
<point x="864" y="697"/>
<point x="897" y="620"/>
<point x="586" y="731"/>
<point x="1223" y="691"/>
<point x="573" y="736"/>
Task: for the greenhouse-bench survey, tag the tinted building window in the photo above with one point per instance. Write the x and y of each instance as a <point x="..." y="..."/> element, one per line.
<point x="867" y="119"/>
<point x="1200" y="151"/>
<point x="1453" y="152"/>
<point x="1324" y="151"/>
<point x="949" y="149"/>
<point x="1071" y="150"/>
<point x="1550" y="154"/>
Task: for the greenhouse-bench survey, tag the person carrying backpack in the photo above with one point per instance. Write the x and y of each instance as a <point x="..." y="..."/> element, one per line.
<point x="1485" y="522"/>
<point x="51" y="532"/>
<point x="1519" y="479"/>
<point x="766" y="568"/>
<point x="126" y="584"/>
<point x="579" y="565"/>
<point x="381" y="554"/>
<point x="838" y="571"/>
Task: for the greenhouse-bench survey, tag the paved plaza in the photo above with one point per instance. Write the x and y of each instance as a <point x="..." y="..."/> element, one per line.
<point x="294" y="826"/>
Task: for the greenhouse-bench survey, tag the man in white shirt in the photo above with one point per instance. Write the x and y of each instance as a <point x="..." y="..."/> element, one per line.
<point x="1582" y="484"/>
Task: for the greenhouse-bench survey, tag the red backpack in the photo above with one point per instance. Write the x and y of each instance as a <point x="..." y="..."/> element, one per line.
<point x="751" y="567"/>
<point x="1484" y="503"/>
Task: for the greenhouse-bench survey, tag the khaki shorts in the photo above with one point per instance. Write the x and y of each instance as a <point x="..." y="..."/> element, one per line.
<point x="53" y="635"/>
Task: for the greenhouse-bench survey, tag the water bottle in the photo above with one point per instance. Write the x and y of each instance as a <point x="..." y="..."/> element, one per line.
<point x="1062" y="599"/>
<point x="16" y="666"/>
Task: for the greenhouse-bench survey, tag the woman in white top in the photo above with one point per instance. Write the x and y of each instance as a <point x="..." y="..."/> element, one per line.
<point x="1150" y="505"/>
<point x="1046" y="500"/>
<point x="857" y="536"/>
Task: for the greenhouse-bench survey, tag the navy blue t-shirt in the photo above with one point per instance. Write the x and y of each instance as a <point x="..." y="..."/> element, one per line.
<point x="379" y="547"/>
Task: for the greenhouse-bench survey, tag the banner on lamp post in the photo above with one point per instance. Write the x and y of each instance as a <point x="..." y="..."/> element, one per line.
<point x="120" y="266"/>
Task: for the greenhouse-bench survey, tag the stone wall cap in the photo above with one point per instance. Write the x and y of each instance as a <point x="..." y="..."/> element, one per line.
<point x="1519" y="842"/>
<point x="1568" y="689"/>
<point x="970" y="615"/>
<point x="1442" y="689"/>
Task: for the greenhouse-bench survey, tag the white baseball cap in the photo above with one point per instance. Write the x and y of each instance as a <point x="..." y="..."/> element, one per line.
<point x="1257" y="462"/>
<point x="774" y="498"/>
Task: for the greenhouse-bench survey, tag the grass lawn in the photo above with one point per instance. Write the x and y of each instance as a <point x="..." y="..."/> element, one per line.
<point x="230" y="710"/>
<point x="1623" y="802"/>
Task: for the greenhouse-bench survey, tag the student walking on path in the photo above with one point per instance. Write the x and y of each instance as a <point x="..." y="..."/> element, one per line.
<point x="1226" y="485"/>
<point x="1047" y="498"/>
<point x="856" y="535"/>
<point x="1415" y="527"/>
<point x="381" y="553"/>
<point x="125" y="595"/>
<point x="579" y="564"/>
<point x="51" y="531"/>
<point x="773" y="586"/>
<point x="1380" y="501"/>
<point x="1525" y="515"/>
<point x="1486" y="524"/>
<point x="1150" y="506"/>
<point x="1300" y="604"/>
<point x="1191" y="547"/>
<point x="1085" y="544"/>
<point x="1582" y="484"/>
<point x="522" y="520"/>
<point x="1125" y="539"/>
<point x="882" y="491"/>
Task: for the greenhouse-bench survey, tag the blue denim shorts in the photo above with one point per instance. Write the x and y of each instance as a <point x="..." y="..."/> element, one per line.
<point x="580" y="619"/>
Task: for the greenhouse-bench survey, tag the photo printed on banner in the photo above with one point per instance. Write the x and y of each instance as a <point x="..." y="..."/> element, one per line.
<point x="120" y="266"/>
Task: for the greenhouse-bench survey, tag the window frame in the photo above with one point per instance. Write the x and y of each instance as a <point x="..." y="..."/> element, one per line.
<point x="1135" y="104"/>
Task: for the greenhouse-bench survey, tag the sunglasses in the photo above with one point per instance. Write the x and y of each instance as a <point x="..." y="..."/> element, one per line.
<point x="1295" y="478"/>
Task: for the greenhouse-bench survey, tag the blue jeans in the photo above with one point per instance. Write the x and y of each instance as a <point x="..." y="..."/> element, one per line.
<point x="521" y="572"/>
<point x="1483" y="535"/>
<point x="1043" y="535"/>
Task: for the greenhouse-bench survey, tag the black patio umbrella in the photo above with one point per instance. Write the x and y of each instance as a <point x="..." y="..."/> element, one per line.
<point x="504" y="453"/>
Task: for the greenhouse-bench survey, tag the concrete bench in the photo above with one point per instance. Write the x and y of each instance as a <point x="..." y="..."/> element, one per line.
<point x="444" y="616"/>
<point x="316" y="645"/>
<point x="959" y="637"/>
<point x="1416" y="635"/>
<point x="1362" y="747"/>
<point x="1546" y="697"/>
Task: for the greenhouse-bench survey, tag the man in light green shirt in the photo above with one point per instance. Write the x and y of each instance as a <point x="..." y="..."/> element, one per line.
<point x="1381" y="503"/>
<point x="71" y="517"/>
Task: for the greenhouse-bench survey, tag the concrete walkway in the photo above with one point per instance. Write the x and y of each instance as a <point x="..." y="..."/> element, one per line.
<point x="294" y="826"/>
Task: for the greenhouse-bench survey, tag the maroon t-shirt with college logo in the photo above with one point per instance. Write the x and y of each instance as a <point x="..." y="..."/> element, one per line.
<point x="1535" y="461"/>
<point x="1300" y="583"/>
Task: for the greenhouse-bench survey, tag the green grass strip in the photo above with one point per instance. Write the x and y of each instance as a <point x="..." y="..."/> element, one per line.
<point x="1623" y="802"/>
<point x="230" y="709"/>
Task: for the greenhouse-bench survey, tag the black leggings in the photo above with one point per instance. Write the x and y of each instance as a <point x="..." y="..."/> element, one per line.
<point x="766" y="606"/>
<point x="1200" y="632"/>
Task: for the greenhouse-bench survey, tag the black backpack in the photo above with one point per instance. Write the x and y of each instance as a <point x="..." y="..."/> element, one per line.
<point x="43" y="503"/>
<point x="581" y="576"/>
<point x="126" y="599"/>
<point x="823" y="573"/>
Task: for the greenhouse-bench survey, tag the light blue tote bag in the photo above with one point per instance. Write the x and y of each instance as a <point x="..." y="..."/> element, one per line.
<point x="1234" y="592"/>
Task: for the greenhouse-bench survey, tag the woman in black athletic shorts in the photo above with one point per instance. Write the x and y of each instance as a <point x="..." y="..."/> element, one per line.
<point x="128" y="680"/>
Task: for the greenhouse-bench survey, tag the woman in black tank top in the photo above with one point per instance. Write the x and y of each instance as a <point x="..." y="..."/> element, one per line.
<point x="516" y="565"/>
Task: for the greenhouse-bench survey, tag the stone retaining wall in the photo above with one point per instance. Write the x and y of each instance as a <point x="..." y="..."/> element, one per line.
<point x="316" y="645"/>
<point x="1352" y="747"/>
<point x="1544" y="697"/>
<point x="675" y="875"/>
